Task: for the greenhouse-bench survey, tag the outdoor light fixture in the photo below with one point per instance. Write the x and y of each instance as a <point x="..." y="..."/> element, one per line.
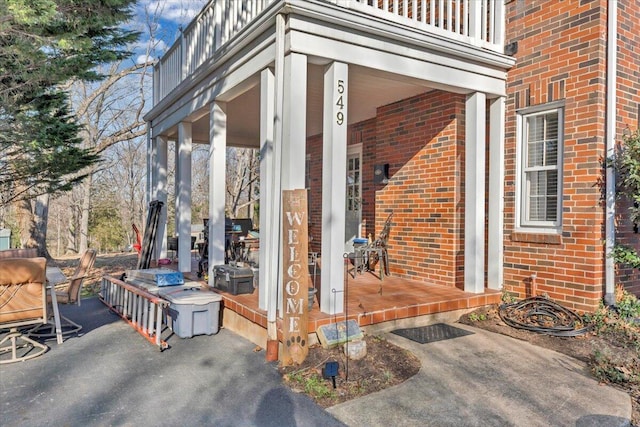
<point x="330" y="370"/>
<point x="511" y="48"/>
<point x="381" y="173"/>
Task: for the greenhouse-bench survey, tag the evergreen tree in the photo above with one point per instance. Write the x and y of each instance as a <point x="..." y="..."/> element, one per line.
<point x="43" y="45"/>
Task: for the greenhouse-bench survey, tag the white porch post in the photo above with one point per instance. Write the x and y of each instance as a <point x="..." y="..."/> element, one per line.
<point x="159" y="193"/>
<point x="495" y="254"/>
<point x="183" y="196"/>
<point x="294" y="120"/>
<point x="217" y="179"/>
<point x="151" y="167"/>
<point x="273" y="280"/>
<point x="294" y="135"/>
<point x="267" y="274"/>
<point x="474" y="189"/>
<point x="334" y="172"/>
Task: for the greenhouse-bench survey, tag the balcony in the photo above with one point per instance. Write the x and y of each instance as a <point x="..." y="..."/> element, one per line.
<point x="470" y="23"/>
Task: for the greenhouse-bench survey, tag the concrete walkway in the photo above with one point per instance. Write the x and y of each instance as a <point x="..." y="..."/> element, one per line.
<point x="111" y="376"/>
<point x="488" y="379"/>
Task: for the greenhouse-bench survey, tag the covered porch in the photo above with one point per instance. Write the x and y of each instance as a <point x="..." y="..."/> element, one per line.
<point x="291" y="72"/>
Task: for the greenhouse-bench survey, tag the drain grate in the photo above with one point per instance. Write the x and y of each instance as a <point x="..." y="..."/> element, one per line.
<point x="432" y="333"/>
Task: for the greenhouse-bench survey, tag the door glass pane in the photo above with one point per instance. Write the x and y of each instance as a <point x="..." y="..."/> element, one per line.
<point x="353" y="183"/>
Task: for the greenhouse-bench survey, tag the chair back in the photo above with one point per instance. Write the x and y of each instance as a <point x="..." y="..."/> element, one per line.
<point x="82" y="271"/>
<point x="383" y="237"/>
<point x="23" y="296"/>
<point x="19" y="253"/>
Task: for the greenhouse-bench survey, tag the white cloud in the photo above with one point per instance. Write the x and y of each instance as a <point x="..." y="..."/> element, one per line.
<point x="142" y="44"/>
<point x="141" y="59"/>
<point x="160" y="20"/>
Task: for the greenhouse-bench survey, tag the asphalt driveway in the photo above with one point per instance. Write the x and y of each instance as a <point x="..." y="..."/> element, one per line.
<point x="111" y="376"/>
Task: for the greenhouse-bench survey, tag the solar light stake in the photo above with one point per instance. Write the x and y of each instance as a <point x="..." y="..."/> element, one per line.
<point x="330" y="370"/>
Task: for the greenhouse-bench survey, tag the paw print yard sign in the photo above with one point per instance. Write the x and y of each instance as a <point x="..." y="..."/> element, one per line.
<point x="295" y="339"/>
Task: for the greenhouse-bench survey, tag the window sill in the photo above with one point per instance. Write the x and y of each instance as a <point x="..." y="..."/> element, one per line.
<point x="532" y="237"/>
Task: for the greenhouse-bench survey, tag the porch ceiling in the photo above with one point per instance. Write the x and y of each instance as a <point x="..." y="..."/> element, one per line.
<point x="368" y="90"/>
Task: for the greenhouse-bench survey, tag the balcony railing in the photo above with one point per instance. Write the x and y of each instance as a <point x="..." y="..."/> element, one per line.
<point x="476" y="22"/>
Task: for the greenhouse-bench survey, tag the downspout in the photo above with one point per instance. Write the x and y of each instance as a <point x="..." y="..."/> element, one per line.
<point x="612" y="23"/>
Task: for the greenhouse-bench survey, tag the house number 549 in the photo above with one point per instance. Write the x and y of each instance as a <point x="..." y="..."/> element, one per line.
<point x="340" y="103"/>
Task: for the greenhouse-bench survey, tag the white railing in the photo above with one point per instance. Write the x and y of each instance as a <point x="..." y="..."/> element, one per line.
<point x="216" y="24"/>
<point x="476" y="22"/>
<point x="140" y="309"/>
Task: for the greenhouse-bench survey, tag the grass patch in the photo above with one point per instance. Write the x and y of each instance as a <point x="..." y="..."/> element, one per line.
<point x="313" y="384"/>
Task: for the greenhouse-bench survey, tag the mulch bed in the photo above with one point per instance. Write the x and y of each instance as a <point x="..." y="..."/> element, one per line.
<point x="385" y="365"/>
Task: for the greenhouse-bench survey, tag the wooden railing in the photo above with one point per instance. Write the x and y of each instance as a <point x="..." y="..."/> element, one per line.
<point x="140" y="309"/>
<point x="476" y="22"/>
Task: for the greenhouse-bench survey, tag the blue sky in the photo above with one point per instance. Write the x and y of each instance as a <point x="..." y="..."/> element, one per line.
<point x="161" y="20"/>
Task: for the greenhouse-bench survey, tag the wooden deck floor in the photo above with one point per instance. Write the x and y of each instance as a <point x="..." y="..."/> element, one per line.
<point x="371" y="301"/>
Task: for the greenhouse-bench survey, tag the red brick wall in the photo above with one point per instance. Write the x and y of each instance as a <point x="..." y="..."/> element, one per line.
<point x="628" y="103"/>
<point x="561" y="56"/>
<point x="422" y="139"/>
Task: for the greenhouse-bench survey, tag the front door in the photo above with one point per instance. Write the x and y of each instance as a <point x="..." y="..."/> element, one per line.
<point x="354" y="195"/>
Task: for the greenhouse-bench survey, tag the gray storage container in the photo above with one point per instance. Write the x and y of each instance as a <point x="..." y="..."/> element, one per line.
<point x="235" y="280"/>
<point x="192" y="311"/>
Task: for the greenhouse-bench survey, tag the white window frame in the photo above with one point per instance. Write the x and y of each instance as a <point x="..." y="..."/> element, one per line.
<point x="522" y="224"/>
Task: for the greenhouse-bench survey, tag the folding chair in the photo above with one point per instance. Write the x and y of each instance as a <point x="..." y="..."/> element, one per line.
<point x="68" y="293"/>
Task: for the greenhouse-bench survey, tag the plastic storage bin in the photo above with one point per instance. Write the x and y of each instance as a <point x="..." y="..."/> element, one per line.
<point x="192" y="311"/>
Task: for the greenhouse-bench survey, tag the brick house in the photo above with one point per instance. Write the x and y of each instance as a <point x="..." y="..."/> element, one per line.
<point x="487" y="122"/>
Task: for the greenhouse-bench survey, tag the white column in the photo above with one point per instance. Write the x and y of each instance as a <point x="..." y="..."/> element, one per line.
<point x="274" y="221"/>
<point x="294" y="137"/>
<point x="150" y="178"/>
<point x="495" y="250"/>
<point x="474" y="189"/>
<point x="294" y="131"/>
<point x="160" y="193"/>
<point x="217" y="180"/>
<point x="267" y="273"/>
<point x="183" y="196"/>
<point x="334" y="177"/>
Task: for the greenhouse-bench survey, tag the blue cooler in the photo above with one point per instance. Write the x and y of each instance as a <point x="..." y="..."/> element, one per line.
<point x="157" y="276"/>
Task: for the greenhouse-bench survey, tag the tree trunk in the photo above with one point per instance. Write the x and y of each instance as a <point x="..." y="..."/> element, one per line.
<point x="84" y="214"/>
<point x="24" y="214"/>
<point x="41" y="221"/>
<point x="32" y="217"/>
<point x="72" y="228"/>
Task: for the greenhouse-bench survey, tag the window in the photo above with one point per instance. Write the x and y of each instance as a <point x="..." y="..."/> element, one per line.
<point x="540" y="165"/>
